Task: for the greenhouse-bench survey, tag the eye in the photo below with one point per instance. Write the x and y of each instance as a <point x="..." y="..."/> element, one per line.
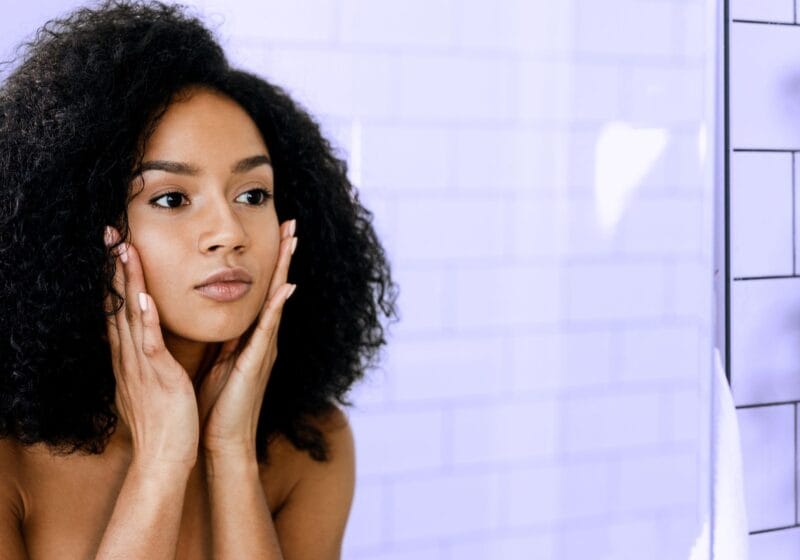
<point x="176" y="196"/>
<point x="266" y="196"/>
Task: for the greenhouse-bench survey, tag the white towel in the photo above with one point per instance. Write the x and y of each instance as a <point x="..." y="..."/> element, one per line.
<point x="728" y="515"/>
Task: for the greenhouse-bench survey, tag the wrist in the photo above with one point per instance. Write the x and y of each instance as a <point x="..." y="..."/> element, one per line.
<point x="156" y="469"/>
<point x="238" y="461"/>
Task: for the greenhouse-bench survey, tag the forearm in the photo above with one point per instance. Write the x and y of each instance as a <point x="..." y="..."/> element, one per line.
<point x="240" y="518"/>
<point x="147" y="514"/>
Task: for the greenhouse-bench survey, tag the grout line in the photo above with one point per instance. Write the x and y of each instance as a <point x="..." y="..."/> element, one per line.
<point x="773" y="529"/>
<point x="761" y="22"/>
<point x="768" y="150"/>
<point x="767" y="277"/>
<point x="762" y="405"/>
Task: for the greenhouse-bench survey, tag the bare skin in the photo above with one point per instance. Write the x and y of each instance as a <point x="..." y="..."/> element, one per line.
<point x="180" y="473"/>
<point x="65" y="501"/>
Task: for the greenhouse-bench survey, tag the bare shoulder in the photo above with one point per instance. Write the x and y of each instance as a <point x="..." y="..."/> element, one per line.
<point x="322" y="493"/>
<point x="10" y="491"/>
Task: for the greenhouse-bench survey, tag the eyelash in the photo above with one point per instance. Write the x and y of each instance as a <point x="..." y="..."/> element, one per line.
<point x="267" y="197"/>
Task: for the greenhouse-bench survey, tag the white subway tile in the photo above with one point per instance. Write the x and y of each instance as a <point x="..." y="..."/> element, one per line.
<point x="488" y="297"/>
<point x="569" y="91"/>
<point x="438" y="370"/>
<point x="586" y="235"/>
<point x="549" y="362"/>
<point x="665" y="479"/>
<point x="424" y="295"/>
<point x="763" y="10"/>
<point x="455" y="88"/>
<point x="365" y="525"/>
<point x="401" y="552"/>
<point x="764" y="334"/>
<point x="516" y="547"/>
<point x="660" y="353"/>
<point x="505" y="432"/>
<point x="447" y="505"/>
<point x="693" y="29"/>
<point x="608" y="539"/>
<point x="355" y="85"/>
<point x="690" y="289"/>
<point x="438" y="226"/>
<point x="412" y="23"/>
<point x="476" y="26"/>
<point x="761" y="214"/>
<point x="610" y="422"/>
<point x="678" y="92"/>
<point x="406" y="158"/>
<point x="490" y="158"/>
<point x="663" y="226"/>
<point x="681" y="530"/>
<point x="764" y="100"/>
<point x="415" y="443"/>
<point x="688" y="416"/>
<point x="614" y="291"/>
<point x="775" y="545"/>
<point x="767" y="436"/>
<point x="372" y="389"/>
<point x="310" y="20"/>
<point x="540" y="226"/>
<point x="623" y="27"/>
<point x="554" y="494"/>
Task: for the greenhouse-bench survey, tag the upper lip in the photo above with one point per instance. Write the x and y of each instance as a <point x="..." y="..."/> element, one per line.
<point x="236" y="274"/>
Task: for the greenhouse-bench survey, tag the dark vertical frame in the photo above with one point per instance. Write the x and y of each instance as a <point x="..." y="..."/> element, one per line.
<point x="726" y="178"/>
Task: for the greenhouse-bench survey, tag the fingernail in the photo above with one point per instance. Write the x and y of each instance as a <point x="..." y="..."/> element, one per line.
<point x="108" y="236"/>
<point x="294" y="245"/>
<point x="143" y="301"/>
<point x="123" y="252"/>
<point x="294" y="287"/>
<point x="292" y="227"/>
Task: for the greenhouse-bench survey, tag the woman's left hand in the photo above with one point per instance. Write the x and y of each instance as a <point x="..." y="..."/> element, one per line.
<point x="231" y="394"/>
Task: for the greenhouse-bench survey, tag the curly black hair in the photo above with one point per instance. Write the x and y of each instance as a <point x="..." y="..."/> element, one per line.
<point x="74" y="117"/>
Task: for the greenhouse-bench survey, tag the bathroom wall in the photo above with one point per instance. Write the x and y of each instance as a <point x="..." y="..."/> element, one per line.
<point x="541" y="174"/>
<point x="764" y="309"/>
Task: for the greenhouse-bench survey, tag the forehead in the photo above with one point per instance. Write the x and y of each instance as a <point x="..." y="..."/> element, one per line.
<point x="202" y="124"/>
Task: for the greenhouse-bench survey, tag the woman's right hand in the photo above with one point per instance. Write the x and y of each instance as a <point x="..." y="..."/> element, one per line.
<point x="154" y="394"/>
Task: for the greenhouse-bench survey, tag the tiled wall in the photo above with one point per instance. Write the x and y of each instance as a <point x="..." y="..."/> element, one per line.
<point x="537" y="175"/>
<point x="764" y="313"/>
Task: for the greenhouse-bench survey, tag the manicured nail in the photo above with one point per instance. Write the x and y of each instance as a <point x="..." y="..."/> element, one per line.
<point x="142" y="301"/>
<point x="294" y="245"/>
<point x="292" y="227"/>
<point x="123" y="252"/>
<point x="294" y="287"/>
<point x="108" y="237"/>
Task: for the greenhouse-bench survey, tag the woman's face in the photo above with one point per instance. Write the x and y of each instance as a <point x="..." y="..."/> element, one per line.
<point x="209" y="154"/>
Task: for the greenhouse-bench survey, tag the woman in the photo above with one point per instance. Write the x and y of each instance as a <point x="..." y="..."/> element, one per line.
<point x="157" y="210"/>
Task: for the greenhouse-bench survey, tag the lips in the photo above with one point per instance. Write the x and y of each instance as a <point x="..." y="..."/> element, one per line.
<point x="225" y="291"/>
<point x="236" y="274"/>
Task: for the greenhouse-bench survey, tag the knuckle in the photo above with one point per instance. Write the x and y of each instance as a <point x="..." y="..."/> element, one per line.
<point x="150" y="348"/>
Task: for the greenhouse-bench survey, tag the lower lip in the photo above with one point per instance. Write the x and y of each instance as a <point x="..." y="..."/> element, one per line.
<point x="224" y="291"/>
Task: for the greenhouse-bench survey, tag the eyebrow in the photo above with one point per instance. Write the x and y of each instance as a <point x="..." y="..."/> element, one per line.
<point x="181" y="168"/>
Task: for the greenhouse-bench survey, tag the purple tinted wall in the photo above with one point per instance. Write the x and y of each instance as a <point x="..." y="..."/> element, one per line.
<point x="540" y="174"/>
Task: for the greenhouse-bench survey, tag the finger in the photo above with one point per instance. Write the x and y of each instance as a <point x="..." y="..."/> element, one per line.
<point x="281" y="272"/>
<point x="287" y="228"/>
<point x="134" y="284"/>
<point x="120" y="334"/>
<point x="153" y="347"/>
<point x="271" y="315"/>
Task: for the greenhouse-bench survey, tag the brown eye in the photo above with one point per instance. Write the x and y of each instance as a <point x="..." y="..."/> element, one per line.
<point x="265" y="196"/>
<point x="172" y="196"/>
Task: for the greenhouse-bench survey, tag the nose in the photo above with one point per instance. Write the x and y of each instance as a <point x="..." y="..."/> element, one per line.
<point x="220" y="227"/>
